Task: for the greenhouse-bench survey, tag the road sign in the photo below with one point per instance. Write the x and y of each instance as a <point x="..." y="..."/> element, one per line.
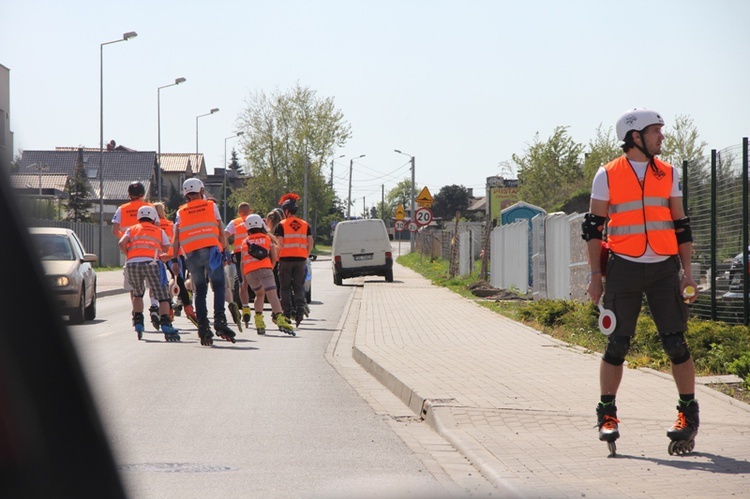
<point x="400" y="212"/>
<point x="399" y="225"/>
<point x="413" y="226"/>
<point x="424" y="198"/>
<point x="423" y="216"/>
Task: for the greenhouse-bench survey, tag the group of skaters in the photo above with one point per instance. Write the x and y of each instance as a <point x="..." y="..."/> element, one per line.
<point x="267" y="257"/>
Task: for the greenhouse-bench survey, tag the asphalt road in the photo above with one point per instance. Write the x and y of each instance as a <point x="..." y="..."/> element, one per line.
<point x="267" y="416"/>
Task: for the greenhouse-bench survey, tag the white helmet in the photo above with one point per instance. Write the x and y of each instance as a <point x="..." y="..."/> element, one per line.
<point x="192" y="185"/>
<point x="636" y="119"/>
<point x="254" y="221"/>
<point x="147" y="212"/>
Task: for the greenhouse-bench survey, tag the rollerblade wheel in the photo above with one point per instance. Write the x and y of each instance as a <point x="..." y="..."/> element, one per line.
<point x="612" y="449"/>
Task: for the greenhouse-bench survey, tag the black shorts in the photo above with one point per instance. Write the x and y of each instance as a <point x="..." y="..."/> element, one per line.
<point x="626" y="283"/>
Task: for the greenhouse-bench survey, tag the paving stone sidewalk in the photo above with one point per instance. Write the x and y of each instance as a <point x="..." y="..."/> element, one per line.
<point x="520" y="404"/>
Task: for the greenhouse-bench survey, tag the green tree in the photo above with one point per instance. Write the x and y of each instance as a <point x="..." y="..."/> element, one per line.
<point x="79" y="193"/>
<point x="550" y="171"/>
<point x="234" y="163"/>
<point x="285" y="135"/>
<point x="400" y="195"/>
<point x="449" y="200"/>
<point x="601" y="150"/>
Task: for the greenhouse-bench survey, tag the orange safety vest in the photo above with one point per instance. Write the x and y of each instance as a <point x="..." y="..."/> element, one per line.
<point x="240" y="233"/>
<point x="295" y="238"/>
<point x="145" y="240"/>
<point x="129" y="213"/>
<point x="250" y="264"/>
<point x="640" y="215"/>
<point x="168" y="227"/>
<point x="198" y="226"/>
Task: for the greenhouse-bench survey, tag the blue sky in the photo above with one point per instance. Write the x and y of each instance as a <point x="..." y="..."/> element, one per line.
<point x="462" y="85"/>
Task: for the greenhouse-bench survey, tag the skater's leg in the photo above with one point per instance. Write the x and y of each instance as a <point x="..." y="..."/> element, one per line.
<point x="218" y="286"/>
<point x="196" y="263"/>
<point x="285" y="281"/>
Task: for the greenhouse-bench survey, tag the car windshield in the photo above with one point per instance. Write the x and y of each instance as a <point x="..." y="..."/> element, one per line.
<point x="53" y="247"/>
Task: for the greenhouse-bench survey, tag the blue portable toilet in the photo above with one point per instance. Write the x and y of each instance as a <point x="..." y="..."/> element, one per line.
<point x="521" y="211"/>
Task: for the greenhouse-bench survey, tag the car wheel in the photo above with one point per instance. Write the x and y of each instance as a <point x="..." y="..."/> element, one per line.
<point x="336" y="279"/>
<point x="77" y="315"/>
<point x="389" y="275"/>
<point x="90" y="313"/>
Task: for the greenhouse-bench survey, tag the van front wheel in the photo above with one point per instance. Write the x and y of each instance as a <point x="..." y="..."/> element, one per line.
<point x="389" y="275"/>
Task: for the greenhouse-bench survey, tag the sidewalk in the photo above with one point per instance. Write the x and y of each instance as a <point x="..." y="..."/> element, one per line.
<point x="520" y="405"/>
<point x="109" y="283"/>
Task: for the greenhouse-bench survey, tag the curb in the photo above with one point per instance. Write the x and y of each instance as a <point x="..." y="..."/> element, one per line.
<point x="110" y="292"/>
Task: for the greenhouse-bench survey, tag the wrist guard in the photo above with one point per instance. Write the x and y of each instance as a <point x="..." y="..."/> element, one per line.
<point x="686" y="234"/>
<point x="592" y="227"/>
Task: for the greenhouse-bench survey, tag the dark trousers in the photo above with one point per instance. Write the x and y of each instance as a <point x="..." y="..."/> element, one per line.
<point x="292" y="281"/>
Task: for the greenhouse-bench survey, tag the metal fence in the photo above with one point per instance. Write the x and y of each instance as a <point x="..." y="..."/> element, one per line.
<point x="716" y="197"/>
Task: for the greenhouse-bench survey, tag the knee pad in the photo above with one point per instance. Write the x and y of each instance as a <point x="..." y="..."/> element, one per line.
<point x="617" y="349"/>
<point x="676" y="347"/>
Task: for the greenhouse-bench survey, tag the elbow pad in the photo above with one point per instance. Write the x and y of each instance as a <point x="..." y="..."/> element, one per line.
<point x="592" y="227"/>
<point x="686" y="234"/>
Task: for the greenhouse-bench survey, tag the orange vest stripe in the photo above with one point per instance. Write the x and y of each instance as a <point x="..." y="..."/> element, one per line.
<point x="250" y="264"/>
<point x="295" y="238"/>
<point x="198" y="227"/>
<point x="145" y="241"/>
<point x="240" y="233"/>
<point x="640" y="216"/>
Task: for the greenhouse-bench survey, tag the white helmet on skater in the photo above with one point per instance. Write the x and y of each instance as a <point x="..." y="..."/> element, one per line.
<point x="254" y="221"/>
<point x="192" y="185"/>
<point x="636" y="119"/>
<point x="148" y="212"/>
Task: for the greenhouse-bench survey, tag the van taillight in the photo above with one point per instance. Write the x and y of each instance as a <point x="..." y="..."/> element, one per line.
<point x="388" y="254"/>
<point x="337" y="259"/>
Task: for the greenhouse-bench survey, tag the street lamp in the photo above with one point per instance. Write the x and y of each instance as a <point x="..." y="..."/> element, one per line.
<point x="214" y="110"/>
<point x="334" y="159"/>
<point x="158" y="127"/>
<point x="349" y="197"/>
<point x="411" y="234"/>
<point x="226" y="167"/>
<point x="125" y="37"/>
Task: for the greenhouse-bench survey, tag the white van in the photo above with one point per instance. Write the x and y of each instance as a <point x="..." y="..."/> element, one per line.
<point x="361" y="247"/>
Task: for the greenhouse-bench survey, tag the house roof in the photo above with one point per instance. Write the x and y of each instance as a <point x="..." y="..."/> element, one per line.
<point x="179" y="162"/>
<point x="478" y="204"/>
<point x="119" y="168"/>
<point x="31" y="181"/>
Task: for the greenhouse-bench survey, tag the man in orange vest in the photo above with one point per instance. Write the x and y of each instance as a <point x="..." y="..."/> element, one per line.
<point x="295" y="243"/>
<point x="199" y="231"/>
<point x="650" y="245"/>
<point x="143" y="243"/>
<point x="240" y="296"/>
<point x="126" y="216"/>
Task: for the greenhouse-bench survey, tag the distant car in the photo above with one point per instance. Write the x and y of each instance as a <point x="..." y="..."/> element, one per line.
<point x="361" y="248"/>
<point x="69" y="271"/>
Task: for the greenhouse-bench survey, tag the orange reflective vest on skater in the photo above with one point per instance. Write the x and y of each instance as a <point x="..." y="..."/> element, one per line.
<point x="145" y="241"/>
<point x="640" y="215"/>
<point x="250" y="264"/>
<point x="240" y="233"/>
<point x="129" y="213"/>
<point x="295" y="238"/>
<point x="198" y="226"/>
<point x="168" y="227"/>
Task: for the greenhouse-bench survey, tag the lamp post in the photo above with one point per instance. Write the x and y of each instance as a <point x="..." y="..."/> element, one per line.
<point x="158" y="131"/>
<point x="214" y="110"/>
<point x="349" y="197"/>
<point x="125" y="37"/>
<point x="413" y="196"/>
<point x="334" y="159"/>
<point x="226" y="167"/>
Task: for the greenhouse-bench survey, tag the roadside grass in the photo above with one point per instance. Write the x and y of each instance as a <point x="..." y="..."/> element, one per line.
<point x="718" y="348"/>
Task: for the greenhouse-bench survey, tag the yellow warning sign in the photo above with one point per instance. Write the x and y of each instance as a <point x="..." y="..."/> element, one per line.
<point x="424" y="199"/>
<point x="400" y="212"/>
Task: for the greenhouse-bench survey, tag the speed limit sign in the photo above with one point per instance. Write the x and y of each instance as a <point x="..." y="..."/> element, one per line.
<point x="413" y="226"/>
<point x="399" y="225"/>
<point x="423" y="216"/>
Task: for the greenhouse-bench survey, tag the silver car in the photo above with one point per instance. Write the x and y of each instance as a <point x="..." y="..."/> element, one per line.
<point x="69" y="271"/>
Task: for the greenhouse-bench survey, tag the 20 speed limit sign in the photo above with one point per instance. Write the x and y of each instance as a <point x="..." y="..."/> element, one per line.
<point x="423" y="216"/>
<point x="413" y="226"/>
<point x="399" y="225"/>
